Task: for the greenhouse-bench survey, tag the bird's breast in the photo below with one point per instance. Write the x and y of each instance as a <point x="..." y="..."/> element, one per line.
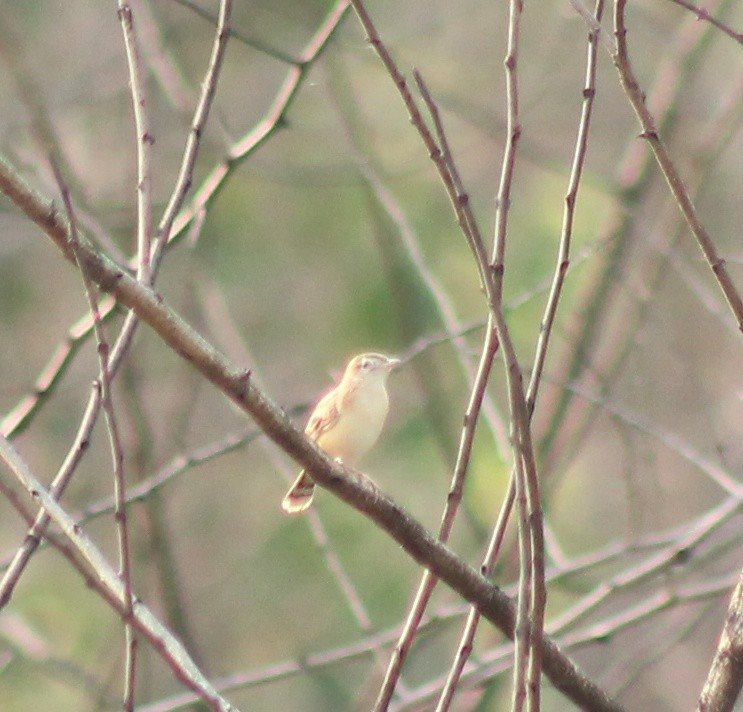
<point x="359" y="424"/>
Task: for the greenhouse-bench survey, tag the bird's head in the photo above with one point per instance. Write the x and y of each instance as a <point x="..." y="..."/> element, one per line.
<point x="371" y="363"/>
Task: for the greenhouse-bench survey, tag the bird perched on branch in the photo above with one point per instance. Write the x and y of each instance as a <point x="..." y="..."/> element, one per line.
<point x="346" y="421"/>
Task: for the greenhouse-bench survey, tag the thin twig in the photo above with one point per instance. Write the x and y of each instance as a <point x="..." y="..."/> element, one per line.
<point x="675" y="183"/>
<point x="443" y="159"/>
<point x="117" y="452"/>
<point x="532" y="591"/>
<point x="59" y="483"/>
<point x="198" y="123"/>
<point x="145" y="223"/>
<point x="563" y="261"/>
<point x="522" y="636"/>
<point x="704" y="14"/>
<point x="144" y="141"/>
<point x="100" y="576"/>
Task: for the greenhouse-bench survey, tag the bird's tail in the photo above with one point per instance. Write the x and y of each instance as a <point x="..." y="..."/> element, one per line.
<point x="300" y="494"/>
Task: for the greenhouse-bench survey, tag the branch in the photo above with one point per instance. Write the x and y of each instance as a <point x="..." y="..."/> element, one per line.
<point x="114" y="437"/>
<point x="563" y="260"/>
<point x="144" y="139"/>
<point x="703" y="14"/>
<point x="725" y="678"/>
<point x="100" y="576"/>
<point x="667" y="166"/>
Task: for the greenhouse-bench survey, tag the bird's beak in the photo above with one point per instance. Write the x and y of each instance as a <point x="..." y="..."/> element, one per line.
<point x="393" y="363"/>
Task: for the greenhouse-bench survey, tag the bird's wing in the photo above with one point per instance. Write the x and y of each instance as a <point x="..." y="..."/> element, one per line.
<point x="324" y="417"/>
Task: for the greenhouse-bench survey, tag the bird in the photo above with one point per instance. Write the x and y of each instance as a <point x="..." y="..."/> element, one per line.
<point x="346" y="421"/>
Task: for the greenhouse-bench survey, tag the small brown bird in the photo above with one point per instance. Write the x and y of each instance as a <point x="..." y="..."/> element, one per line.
<point x="346" y="421"/>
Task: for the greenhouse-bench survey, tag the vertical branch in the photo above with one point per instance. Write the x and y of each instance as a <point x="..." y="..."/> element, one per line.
<point x="513" y="375"/>
<point x="144" y="143"/>
<point x="460" y="202"/>
<point x="563" y="261"/>
<point x="117" y="453"/>
<point x="532" y="591"/>
<point x="568" y="215"/>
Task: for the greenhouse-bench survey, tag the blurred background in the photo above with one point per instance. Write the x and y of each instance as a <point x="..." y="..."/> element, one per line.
<point x="323" y="240"/>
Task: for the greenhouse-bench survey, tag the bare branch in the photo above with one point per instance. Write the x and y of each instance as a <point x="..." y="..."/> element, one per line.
<point x="704" y="14"/>
<point x="117" y="453"/>
<point x="725" y="678"/>
<point x="144" y="141"/>
<point x="91" y="563"/>
<point x="675" y="183"/>
<point x="59" y="483"/>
